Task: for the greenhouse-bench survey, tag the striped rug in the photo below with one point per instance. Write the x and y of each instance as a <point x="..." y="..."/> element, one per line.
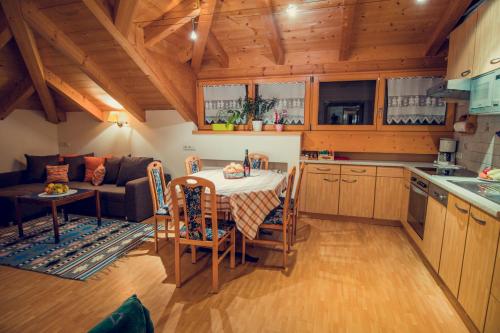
<point x="84" y="248"/>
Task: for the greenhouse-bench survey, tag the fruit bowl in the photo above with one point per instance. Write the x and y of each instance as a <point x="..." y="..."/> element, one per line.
<point x="56" y="188"/>
<point x="233" y="171"/>
<point x="490" y="175"/>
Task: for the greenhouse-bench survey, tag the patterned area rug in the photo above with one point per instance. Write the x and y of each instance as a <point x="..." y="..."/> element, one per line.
<point x="84" y="249"/>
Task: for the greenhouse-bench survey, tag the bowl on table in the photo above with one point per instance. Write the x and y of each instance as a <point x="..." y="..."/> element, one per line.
<point x="233" y="171"/>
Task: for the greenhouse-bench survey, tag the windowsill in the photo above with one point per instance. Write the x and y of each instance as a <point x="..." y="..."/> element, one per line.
<point x="263" y="133"/>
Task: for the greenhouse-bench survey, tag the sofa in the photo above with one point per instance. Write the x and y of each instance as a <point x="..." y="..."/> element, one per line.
<point x="131" y="201"/>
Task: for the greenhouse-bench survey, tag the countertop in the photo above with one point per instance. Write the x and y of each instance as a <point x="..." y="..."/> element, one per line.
<point x="442" y="181"/>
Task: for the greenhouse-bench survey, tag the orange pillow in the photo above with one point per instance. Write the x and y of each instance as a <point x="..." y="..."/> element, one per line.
<point x="91" y="164"/>
<point x="57" y="173"/>
<point x="98" y="176"/>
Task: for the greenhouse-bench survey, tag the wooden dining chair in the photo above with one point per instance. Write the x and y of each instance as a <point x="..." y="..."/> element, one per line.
<point x="199" y="230"/>
<point x="278" y="220"/>
<point x="192" y="164"/>
<point x="258" y="161"/>
<point x="157" y="187"/>
<point x="295" y="204"/>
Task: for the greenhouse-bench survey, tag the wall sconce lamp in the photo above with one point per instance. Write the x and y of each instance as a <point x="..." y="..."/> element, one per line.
<point x="118" y="117"/>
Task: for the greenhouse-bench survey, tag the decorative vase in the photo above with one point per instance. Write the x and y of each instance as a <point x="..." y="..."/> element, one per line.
<point x="279" y="127"/>
<point x="222" y="127"/>
<point x="257" y="125"/>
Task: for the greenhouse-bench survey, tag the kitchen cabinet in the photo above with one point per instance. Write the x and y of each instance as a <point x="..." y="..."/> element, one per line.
<point x="487" y="47"/>
<point x="452" y="251"/>
<point x="492" y="324"/>
<point x="478" y="265"/>
<point x="433" y="234"/>
<point x="323" y="193"/>
<point x="388" y="198"/>
<point x="357" y="194"/>
<point x="461" y="49"/>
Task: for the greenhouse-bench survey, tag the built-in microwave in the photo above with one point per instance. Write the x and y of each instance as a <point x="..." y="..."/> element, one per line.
<point x="485" y="94"/>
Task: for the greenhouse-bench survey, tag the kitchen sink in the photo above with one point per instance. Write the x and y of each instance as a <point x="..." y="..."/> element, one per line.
<point x="490" y="191"/>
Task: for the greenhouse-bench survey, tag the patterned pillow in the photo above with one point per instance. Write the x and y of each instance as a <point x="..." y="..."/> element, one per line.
<point x="57" y="173"/>
<point x="91" y="164"/>
<point x="98" y="176"/>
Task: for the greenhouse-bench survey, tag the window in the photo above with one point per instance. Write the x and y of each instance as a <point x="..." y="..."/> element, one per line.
<point x="218" y="98"/>
<point x="407" y="103"/>
<point x="347" y="102"/>
<point x="291" y="98"/>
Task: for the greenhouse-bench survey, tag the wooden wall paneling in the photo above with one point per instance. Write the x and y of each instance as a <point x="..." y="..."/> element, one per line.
<point x="447" y="22"/>
<point x="124" y="15"/>
<point x="59" y="40"/>
<point x="27" y="46"/>
<point x="203" y="29"/>
<point x="151" y="68"/>
<point x="216" y="49"/>
<point x="69" y="92"/>
<point x="346" y="38"/>
<point x="272" y="33"/>
<point x="18" y="94"/>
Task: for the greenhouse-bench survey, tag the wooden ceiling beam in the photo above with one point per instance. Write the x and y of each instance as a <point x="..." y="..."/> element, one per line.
<point x="124" y="15"/>
<point x="62" y="87"/>
<point x="21" y="91"/>
<point x="167" y="85"/>
<point x="5" y="33"/>
<point x="272" y="33"/>
<point x="216" y="49"/>
<point x="452" y="14"/>
<point x="348" y="12"/>
<point x="153" y="33"/>
<point x="29" y="51"/>
<point x="60" y="41"/>
<point x="203" y="30"/>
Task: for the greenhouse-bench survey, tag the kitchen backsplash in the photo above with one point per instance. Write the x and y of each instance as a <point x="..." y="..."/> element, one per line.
<point x="475" y="152"/>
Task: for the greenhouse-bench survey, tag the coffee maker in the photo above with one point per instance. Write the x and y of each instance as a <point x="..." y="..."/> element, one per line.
<point x="447" y="151"/>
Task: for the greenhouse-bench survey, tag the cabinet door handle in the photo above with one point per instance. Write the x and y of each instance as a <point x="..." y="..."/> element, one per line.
<point x="358" y="171"/>
<point x="494" y="61"/>
<point x="479" y="221"/>
<point x="330" y="180"/>
<point x="461" y="210"/>
<point x="321" y="169"/>
<point x="465" y="73"/>
<point x="350" y="182"/>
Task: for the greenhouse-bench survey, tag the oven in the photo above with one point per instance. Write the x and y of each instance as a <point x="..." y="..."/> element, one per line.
<point x="417" y="207"/>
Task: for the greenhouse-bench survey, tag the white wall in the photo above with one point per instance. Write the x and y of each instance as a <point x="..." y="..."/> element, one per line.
<point x="163" y="136"/>
<point x="25" y="132"/>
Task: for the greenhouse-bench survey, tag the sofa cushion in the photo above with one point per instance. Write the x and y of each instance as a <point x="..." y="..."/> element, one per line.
<point x="76" y="170"/>
<point x="57" y="173"/>
<point x="132" y="168"/>
<point x="35" y="169"/>
<point x="112" y="166"/>
<point x="91" y="164"/>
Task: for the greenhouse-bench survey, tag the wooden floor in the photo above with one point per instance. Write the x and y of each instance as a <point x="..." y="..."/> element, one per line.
<point x="343" y="277"/>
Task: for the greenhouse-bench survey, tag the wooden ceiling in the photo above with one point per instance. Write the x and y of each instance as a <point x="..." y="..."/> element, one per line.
<point x="100" y="55"/>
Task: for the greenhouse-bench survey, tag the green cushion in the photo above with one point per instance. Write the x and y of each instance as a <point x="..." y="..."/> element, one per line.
<point x="130" y="317"/>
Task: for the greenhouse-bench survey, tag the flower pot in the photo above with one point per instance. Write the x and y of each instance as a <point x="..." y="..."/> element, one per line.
<point x="279" y="127"/>
<point x="222" y="127"/>
<point x="257" y="125"/>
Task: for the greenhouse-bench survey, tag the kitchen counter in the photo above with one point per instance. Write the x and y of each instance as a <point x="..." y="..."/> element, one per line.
<point x="442" y="181"/>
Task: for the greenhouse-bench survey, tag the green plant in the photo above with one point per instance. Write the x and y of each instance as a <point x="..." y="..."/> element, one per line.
<point x="229" y="117"/>
<point x="256" y="108"/>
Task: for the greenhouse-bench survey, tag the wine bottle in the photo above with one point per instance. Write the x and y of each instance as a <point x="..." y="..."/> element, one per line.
<point x="246" y="164"/>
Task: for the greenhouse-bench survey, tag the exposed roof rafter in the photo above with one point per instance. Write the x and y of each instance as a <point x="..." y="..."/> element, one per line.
<point x="124" y="15"/>
<point x="348" y="12"/>
<point x="204" y="25"/>
<point x="272" y="33"/>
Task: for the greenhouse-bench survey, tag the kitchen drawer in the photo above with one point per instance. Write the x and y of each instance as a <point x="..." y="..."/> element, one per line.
<point x="390" y="172"/>
<point x="358" y="170"/>
<point x="333" y="169"/>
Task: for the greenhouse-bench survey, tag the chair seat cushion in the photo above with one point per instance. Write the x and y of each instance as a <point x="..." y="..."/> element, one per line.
<point x="275" y="217"/>
<point x="223" y="229"/>
<point x="163" y="211"/>
<point x="282" y="202"/>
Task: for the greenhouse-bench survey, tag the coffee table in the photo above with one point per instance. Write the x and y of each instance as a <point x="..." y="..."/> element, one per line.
<point x="53" y="203"/>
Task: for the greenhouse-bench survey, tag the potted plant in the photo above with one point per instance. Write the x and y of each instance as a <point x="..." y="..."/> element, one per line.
<point x="226" y="119"/>
<point x="279" y="120"/>
<point x="256" y="109"/>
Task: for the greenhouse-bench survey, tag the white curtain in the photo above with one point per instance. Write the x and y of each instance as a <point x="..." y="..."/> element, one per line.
<point x="408" y="103"/>
<point x="222" y="97"/>
<point x="290" y="97"/>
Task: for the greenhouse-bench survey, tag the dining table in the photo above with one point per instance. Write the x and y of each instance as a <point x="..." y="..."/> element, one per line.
<point x="246" y="200"/>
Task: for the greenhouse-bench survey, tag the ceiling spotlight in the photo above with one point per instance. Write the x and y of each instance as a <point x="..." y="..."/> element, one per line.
<point x="291" y="10"/>
<point x="421" y="1"/>
<point x="193" y="35"/>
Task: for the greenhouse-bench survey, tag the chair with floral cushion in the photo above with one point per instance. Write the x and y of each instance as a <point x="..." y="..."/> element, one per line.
<point x="200" y="227"/>
<point x="157" y="186"/>
<point x="192" y="164"/>
<point x="278" y="220"/>
<point x="294" y="204"/>
<point x="258" y="161"/>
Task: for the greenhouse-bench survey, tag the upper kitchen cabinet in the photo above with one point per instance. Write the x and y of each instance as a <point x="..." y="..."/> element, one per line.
<point x="344" y="102"/>
<point x="461" y="49"/>
<point x="487" y="48"/>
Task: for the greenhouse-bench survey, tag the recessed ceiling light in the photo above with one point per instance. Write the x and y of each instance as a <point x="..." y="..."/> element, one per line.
<point x="291" y="10"/>
<point x="421" y="1"/>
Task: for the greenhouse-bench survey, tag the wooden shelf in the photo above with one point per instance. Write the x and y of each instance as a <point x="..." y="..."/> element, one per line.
<point x="263" y="133"/>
